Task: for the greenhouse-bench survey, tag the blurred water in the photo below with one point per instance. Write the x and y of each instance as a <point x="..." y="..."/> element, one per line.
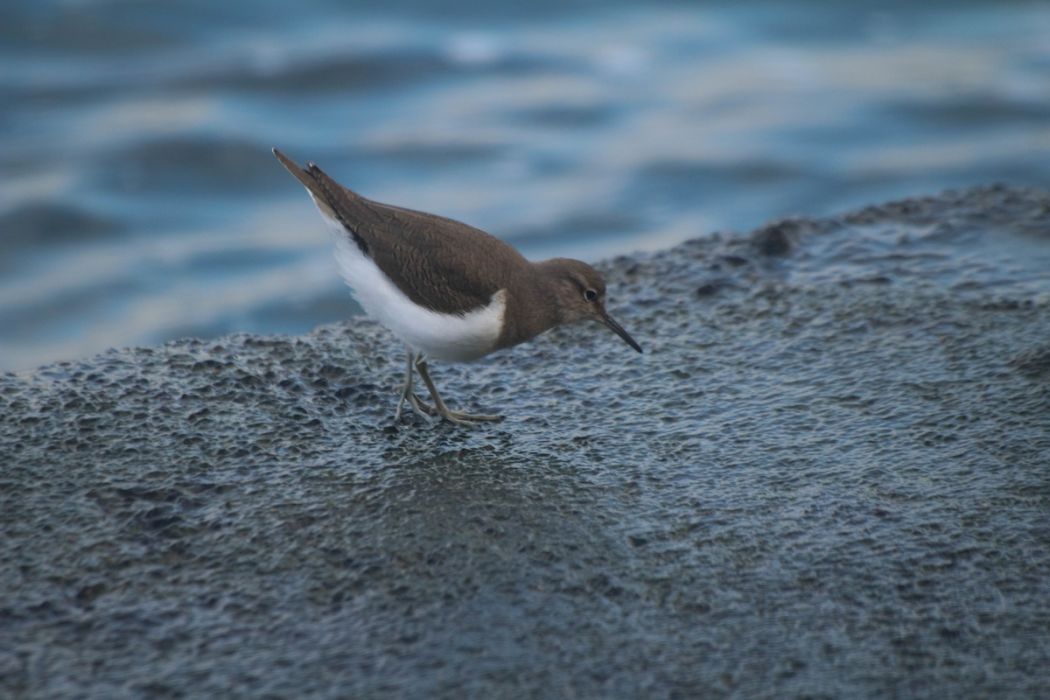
<point x="140" y="203"/>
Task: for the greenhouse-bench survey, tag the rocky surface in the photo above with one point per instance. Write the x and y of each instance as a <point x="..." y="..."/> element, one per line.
<point x="828" y="476"/>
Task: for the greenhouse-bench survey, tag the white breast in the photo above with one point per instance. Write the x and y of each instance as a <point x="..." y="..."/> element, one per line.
<point x="449" y="337"/>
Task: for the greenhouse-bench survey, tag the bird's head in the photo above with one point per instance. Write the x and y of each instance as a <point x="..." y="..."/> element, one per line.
<point x="580" y="292"/>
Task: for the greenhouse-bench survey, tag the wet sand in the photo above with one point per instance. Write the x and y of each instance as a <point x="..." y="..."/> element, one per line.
<point x="827" y="477"/>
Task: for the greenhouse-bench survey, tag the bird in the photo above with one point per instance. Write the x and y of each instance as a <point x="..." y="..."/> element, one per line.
<point x="448" y="291"/>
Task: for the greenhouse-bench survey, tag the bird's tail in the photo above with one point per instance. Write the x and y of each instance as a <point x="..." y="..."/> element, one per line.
<point x="329" y="196"/>
<point x="319" y="190"/>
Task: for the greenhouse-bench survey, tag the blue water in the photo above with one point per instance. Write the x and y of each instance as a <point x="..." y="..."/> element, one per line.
<point x="140" y="202"/>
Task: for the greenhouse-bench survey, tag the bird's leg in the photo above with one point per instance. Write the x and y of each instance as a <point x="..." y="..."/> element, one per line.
<point x="439" y="406"/>
<point x="408" y="392"/>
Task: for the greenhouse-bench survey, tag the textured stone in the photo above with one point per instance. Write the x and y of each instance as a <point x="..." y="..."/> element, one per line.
<point x="827" y="477"/>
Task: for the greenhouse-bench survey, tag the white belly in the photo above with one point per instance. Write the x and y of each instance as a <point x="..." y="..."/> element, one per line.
<point x="449" y="337"/>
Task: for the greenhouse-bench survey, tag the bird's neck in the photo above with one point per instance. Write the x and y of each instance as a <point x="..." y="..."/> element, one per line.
<point x="532" y="306"/>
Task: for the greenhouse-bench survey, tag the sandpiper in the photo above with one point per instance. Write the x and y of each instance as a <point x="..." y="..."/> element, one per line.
<point x="449" y="291"/>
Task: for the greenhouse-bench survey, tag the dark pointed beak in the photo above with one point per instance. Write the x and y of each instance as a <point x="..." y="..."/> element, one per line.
<point x="616" y="328"/>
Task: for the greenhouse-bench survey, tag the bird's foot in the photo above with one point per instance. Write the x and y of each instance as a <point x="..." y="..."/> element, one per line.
<point x="428" y="413"/>
<point x="439" y="409"/>
<point x="420" y="407"/>
<point x="460" y="418"/>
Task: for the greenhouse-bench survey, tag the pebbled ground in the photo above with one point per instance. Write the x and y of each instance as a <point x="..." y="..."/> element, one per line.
<point x="828" y="476"/>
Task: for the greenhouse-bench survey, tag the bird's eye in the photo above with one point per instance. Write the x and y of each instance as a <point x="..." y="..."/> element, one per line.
<point x="590" y="295"/>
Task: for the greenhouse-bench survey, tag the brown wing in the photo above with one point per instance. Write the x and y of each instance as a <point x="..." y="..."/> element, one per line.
<point x="442" y="264"/>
